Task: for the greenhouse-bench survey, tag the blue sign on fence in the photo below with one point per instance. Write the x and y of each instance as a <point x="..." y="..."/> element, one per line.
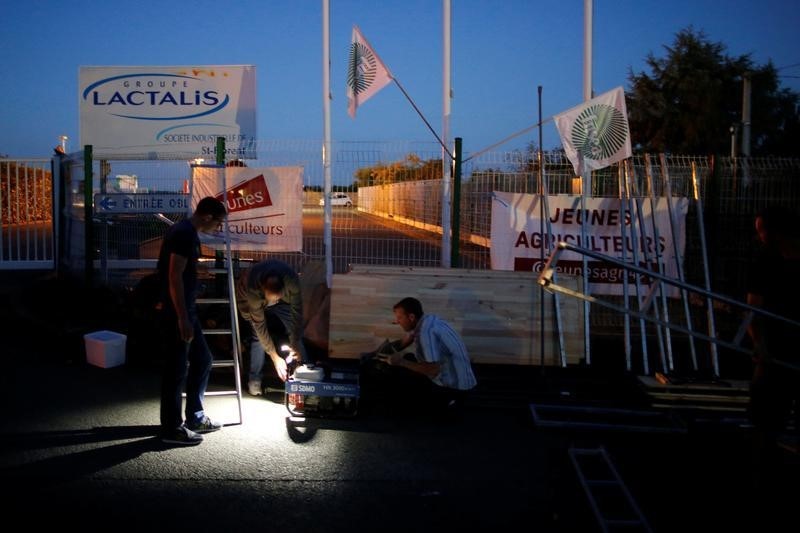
<point x="113" y="204"/>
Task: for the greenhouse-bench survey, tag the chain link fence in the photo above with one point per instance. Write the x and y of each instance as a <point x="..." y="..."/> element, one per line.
<point x="396" y="219"/>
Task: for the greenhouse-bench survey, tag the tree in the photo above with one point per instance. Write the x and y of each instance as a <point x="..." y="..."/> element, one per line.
<point x="412" y="168"/>
<point x="693" y="96"/>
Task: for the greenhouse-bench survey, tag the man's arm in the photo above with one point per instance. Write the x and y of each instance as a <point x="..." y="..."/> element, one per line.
<point x="756" y="328"/>
<point x="177" y="264"/>
<point x="294" y="298"/>
<point x="430" y="370"/>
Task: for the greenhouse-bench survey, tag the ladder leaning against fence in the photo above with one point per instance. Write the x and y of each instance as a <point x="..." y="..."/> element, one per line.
<point x="223" y="271"/>
<point x="227" y="298"/>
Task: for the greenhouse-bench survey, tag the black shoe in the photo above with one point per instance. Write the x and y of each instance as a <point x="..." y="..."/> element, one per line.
<point x="206" y="425"/>
<point x="182" y="436"/>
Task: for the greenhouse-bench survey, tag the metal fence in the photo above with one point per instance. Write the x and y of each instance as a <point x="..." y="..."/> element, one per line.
<point x="390" y="224"/>
<point x="26" y="206"/>
<point x="732" y="191"/>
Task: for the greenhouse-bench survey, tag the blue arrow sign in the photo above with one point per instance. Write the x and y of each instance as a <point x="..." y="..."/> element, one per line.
<point x="108" y="203"/>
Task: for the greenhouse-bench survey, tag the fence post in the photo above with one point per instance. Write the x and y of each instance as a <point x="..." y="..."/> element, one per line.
<point x="220" y="151"/>
<point x="88" y="228"/>
<point x="456" y="222"/>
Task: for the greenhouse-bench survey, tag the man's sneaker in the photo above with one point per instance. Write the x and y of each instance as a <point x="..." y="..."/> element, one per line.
<point x="206" y="425"/>
<point x="254" y="387"/>
<point x="182" y="436"/>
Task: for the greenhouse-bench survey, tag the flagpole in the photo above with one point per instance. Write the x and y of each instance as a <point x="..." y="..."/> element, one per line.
<point x="512" y="136"/>
<point x="326" y="144"/>
<point x="447" y="165"/>
<point x="444" y="147"/>
<point x="586" y="182"/>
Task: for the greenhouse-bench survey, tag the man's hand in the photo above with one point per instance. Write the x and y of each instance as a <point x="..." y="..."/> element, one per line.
<point x="394" y="359"/>
<point x="280" y="367"/>
<point x="186" y="329"/>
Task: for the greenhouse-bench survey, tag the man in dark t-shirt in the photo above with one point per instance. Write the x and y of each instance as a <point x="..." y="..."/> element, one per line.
<point x="188" y="359"/>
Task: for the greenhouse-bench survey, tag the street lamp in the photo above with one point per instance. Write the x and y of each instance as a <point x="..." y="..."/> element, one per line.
<point x="63" y="140"/>
<point x="733" y="130"/>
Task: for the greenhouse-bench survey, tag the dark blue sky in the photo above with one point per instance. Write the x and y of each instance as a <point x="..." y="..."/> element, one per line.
<point x="501" y="50"/>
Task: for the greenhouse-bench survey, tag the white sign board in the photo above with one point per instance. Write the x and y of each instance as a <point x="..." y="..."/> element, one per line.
<point x="517" y="236"/>
<point x="182" y="110"/>
<point x="265" y="205"/>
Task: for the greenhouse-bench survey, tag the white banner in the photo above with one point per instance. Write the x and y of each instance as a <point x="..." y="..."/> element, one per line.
<point x="517" y="236"/>
<point x="265" y="205"/>
<point x="180" y="110"/>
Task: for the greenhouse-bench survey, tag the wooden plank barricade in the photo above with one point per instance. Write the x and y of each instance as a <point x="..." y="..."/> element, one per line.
<point x="496" y="312"/>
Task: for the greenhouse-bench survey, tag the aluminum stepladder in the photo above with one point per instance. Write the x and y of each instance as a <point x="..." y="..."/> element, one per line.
<point x="228" y="299"/>
<point x="223" y="269"/>
<point x="611" y="501"/>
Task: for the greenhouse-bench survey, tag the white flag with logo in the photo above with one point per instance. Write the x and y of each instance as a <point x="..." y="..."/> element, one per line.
<point x="366" y="73"/>
<point x="595" y="134"/>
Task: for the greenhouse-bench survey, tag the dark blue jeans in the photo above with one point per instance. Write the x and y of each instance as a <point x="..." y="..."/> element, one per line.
<point x="186" y="364"/>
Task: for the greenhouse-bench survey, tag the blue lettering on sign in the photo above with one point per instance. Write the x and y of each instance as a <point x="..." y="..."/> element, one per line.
<point x="179" y="99"/>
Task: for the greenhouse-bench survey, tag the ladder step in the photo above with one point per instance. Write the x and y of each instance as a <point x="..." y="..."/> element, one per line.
<point x="217" y="331"/>
<point x="213" y="300"/>
<point x="223" y="363"/>
<point x="222" y="393"/>
<point x="217" y="393"/>
<point x="212" y="270"/>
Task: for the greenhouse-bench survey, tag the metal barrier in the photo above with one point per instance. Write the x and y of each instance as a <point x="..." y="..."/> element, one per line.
<point x="548" y="279"/>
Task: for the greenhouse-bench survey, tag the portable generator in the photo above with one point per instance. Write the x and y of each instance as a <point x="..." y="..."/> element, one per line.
<point x="318" y="391"/>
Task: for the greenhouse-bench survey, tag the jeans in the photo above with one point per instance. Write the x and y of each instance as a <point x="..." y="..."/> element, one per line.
<point x="257" y="356"/>
<point x="189" y="364"/>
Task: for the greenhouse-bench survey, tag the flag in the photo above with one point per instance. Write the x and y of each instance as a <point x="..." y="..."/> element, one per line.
<point x="366" y="73"/>
<point x="595" y="134"/>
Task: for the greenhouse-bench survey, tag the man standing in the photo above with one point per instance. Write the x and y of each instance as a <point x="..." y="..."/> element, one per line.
<point x="188" y="360"/>
<point x="439" y="373"/>
<point x="269" y="297"/>
<point x="772" y="285"/>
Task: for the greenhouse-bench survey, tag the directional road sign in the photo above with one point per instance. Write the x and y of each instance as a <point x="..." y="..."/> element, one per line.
<point x="116" y="203"/>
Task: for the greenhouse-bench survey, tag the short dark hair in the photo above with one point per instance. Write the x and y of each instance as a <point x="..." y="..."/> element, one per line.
<point x="410" y="306"/>
<point x="210" y="206"/>
<point x="272" y="282"/>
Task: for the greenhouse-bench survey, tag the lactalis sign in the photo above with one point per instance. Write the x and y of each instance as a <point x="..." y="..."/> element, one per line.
<point x="180" y="110"/>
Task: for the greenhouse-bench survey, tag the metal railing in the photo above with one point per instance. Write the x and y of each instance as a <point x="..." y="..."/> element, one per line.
<point x="548" y="279"/>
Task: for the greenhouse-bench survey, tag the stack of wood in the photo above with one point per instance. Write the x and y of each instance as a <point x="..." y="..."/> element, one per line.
<point x="497" y="313"/>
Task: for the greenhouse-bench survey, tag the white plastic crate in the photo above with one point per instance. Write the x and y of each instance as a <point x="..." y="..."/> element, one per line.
<point x="105" y="348"/>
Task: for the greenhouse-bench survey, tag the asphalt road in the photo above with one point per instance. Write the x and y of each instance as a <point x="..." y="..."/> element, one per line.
<point x="77" y="449"/>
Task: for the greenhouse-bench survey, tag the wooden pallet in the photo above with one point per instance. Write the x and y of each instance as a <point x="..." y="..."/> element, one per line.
<point x="497" y="313"/>
<point x="730" y="396"/>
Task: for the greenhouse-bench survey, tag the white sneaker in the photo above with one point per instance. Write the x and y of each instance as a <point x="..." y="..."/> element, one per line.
<point x="254" y="387"/>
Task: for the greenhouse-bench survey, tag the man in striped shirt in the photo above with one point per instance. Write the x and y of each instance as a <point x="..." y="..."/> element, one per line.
<point x="439" y="372"/>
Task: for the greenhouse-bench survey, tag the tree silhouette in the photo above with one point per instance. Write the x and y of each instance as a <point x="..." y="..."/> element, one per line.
<point x="692" y="97"/>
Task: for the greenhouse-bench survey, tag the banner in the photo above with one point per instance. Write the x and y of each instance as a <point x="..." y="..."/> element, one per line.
<point x="595" y="134"/>
<point x="366" y="73"/>
<point x="517" y="239"/>
<point x="155" y="111"/>
<point x="265" y="205"/>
